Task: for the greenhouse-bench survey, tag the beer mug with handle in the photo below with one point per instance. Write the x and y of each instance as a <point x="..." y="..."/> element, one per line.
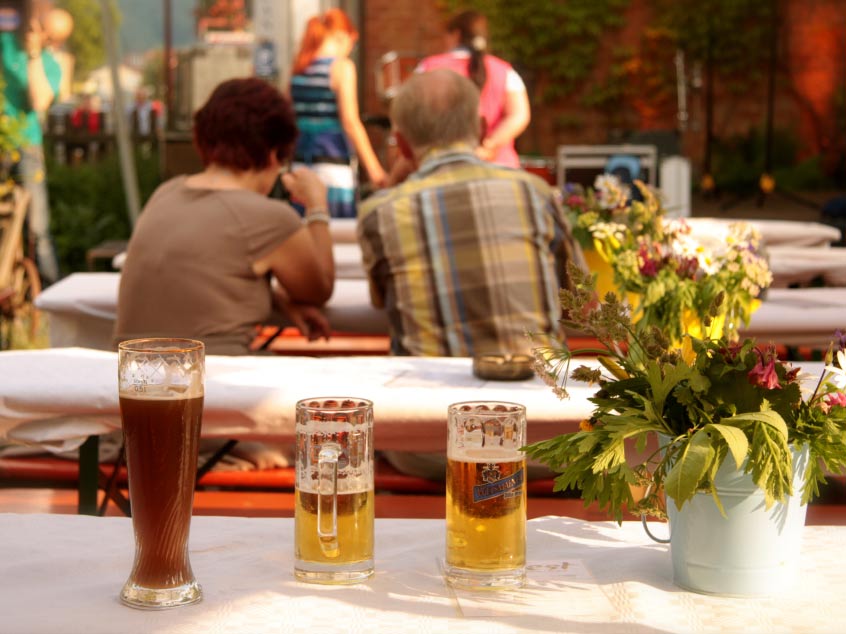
<point x="333" y="516"/>
<point x="160" y="384"/>
<point x="486" y="495"/>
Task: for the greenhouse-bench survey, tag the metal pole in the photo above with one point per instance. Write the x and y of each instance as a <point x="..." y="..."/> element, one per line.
<point x="168" y="46"/>
<point x="127" y="159"/>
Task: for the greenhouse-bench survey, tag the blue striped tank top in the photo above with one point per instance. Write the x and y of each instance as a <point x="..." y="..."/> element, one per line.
<point x="321" y="135"/>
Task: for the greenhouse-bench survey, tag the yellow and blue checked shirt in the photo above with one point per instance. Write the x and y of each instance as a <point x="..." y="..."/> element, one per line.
<point x="466" y="257"/>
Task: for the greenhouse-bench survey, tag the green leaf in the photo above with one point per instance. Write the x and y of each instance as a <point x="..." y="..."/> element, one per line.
<point x="735" y="439"/>
<point x="768" y="417"/>
<point x="693" y="461"/>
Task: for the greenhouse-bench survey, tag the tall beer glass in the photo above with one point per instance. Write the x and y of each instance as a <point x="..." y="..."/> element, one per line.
<point x="333" y="516"/>
<point x="486" y="495"/>
<point x="161" y="407"/>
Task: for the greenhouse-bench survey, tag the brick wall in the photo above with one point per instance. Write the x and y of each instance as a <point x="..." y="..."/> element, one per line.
<point x="412" y="28"/>
<point x="814" y="43"/>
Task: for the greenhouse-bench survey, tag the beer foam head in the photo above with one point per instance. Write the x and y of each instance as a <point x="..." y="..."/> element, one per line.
<point x="161" y="368"/>
<point x="484" y="454"/>
<point x="162" y="392"/>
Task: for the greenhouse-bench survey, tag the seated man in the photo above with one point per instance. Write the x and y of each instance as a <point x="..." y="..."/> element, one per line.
<point x="465" y="256"/>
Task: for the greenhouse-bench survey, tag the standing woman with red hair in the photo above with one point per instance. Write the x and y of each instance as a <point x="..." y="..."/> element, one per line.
<point x="324" y="92"/>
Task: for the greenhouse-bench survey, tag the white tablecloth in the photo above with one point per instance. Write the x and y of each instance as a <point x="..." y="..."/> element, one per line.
<point x="59" y="396"/>
<point x="801" y="265"/>
<point x="83" y="306"/>
<point x="773" y="232"/>
<point x="347" y="258"/>
<point x="799" y="316"/>
<point x="342" y="231"/>
<point x="62" y="574"/>
<point x="348" y="264"/>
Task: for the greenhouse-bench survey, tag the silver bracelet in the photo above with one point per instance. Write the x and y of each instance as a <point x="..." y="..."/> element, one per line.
<point x="317" y="216"/>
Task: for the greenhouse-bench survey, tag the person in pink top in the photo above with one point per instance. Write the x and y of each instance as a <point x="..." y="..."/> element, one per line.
<point x="504" y="104"/>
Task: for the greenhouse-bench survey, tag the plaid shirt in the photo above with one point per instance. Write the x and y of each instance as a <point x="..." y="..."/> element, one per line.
<point x="466" y="257"/>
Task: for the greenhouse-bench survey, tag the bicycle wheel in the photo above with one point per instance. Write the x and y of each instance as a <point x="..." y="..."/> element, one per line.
<point x="27" y="286"/>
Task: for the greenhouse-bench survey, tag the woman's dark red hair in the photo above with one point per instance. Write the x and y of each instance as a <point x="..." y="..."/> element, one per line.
<point x="243" y="121"/>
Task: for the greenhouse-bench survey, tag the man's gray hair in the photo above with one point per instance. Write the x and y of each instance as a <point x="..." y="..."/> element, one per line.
<point x="438" y="107"/>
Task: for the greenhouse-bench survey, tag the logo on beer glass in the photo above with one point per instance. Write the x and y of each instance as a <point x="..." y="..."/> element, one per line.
<point x="496" y="486"/>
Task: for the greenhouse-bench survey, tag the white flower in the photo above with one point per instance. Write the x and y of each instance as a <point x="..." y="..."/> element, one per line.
<point x="838" y="374"/>
<point x="611" y="193"/>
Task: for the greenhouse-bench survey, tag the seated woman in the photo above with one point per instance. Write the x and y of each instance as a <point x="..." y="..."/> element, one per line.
<point x="207" y="247"/>
<point x="211" y="252"/>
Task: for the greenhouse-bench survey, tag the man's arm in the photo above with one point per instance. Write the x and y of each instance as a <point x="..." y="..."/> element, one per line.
<point x="372" y="257"/>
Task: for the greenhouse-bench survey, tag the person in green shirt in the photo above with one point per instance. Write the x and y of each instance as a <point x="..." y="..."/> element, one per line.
<point x="31" y="78"/>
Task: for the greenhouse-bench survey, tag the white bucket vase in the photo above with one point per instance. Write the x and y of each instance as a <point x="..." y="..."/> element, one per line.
<point x="752" y="551"/>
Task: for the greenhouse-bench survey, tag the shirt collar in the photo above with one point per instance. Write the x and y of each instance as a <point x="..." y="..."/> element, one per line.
<point x="461" y="51"/>
<point x="441" y="155"/>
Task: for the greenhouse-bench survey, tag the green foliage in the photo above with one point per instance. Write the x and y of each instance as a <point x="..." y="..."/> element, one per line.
<point x="11" y="138"/>
<point x="11" y="128"/>
<point x="86" y="42"/>
<point x="735" y="35"/>
<point x="739" y="161"/>
<point x="554" y="41"/>
<point x="706" y="402"/>
<point x="88" y="205"/>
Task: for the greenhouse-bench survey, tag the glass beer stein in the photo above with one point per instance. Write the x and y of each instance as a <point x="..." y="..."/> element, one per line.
<point x="486" y="495"/>
<point x="160" y="384"/>
<point x="333" y="516"/>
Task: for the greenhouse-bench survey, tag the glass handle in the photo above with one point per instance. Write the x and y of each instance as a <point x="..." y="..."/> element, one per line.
<point x="327" y="499"/>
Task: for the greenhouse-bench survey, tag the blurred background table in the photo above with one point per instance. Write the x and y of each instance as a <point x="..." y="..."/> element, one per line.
<point x="773" y="232"/>
<point x="58" y="397"/>
<point x="82" y="309"/>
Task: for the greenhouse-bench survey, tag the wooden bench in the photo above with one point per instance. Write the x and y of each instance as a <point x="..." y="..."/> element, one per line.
<point x="51" y="472"/>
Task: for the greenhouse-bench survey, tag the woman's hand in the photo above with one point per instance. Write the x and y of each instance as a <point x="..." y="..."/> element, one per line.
<point x="305" y="187"/>
<point x="309" y="320"/>
<point x="486" y="151"/>
<point x="379" y="178"/>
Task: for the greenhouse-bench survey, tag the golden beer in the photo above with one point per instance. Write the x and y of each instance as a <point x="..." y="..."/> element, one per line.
<point x="355" y="529"/>
<point x="486" y="510"/>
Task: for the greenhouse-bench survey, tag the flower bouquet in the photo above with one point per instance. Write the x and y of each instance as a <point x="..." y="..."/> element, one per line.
<point x="669" y="279"/>
<point x="728" y="406"/>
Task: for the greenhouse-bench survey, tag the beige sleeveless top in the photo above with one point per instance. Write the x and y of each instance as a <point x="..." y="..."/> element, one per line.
<point x="188" y="270"/>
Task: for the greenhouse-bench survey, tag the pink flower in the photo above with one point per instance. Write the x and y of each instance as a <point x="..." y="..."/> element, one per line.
<point x="835" y="398"/>
<point x="575" y="201"/>
<point x="764" y="375"/>
<point x="648" y="266"/>
<point x="687" y="267"/>
<point x="732" y="351"/>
